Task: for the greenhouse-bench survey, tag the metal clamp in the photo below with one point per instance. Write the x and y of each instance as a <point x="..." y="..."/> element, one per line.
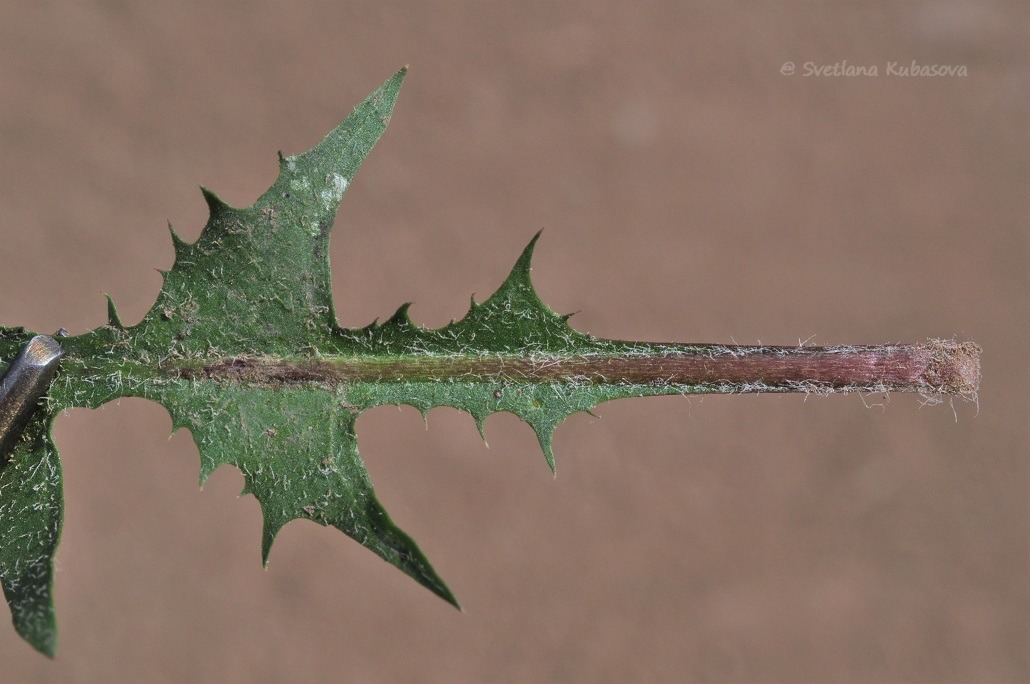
<point x="26" y="382"/>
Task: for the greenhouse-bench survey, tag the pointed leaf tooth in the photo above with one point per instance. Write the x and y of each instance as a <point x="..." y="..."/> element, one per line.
<point x="397" y="548"/>
<point x="367" y="331"/>
<point x="176" y="427"/>
<point x="519" y="285"/>
<point x="481" y="427"/>
<point x="401" y="318"/>
<point x="376" y="109"/>
<point x="526" y="258"/>
<point x="178" y="243"/>
<point x="420" y="405"/>
<point x="545" y="435"/>
<point x="519" y="278"/>
<point x="325" y="171"/>
<point x="207" y="465"/>
<point x="112" y="314"/>
<point x="214" y="204"/>
<point x="179" y="420"/>
<point x="269" y="530"/>
<point x="513" y="320"/>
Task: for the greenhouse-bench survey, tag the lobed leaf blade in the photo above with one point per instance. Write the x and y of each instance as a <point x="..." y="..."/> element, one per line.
<point x="243" y="348"/>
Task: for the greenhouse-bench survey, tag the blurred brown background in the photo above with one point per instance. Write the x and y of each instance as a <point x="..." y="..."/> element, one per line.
<point x="690" y="192"/>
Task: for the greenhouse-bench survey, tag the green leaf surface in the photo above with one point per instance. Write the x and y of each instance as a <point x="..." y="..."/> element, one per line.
<point x="31" y="506"/>
<point x="243" y="349"/>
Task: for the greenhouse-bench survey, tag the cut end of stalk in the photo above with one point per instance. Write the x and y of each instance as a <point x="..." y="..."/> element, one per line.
<point x="952" y="367"/>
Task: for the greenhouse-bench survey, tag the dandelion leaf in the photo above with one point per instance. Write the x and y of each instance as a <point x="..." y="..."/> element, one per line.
<point x="243" y="349"/>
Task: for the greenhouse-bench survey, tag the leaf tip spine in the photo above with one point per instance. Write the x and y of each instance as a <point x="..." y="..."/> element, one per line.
<point x="525" y="263"/>
<point x="401" y="317"/>
<point x="545" y="435"/>
<point x="215" y="205"/>
<point x="178" y="243"/>
<point x="113" y="319"/>
<point x="481" y="427"/>
<point x="268" y="534"/>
